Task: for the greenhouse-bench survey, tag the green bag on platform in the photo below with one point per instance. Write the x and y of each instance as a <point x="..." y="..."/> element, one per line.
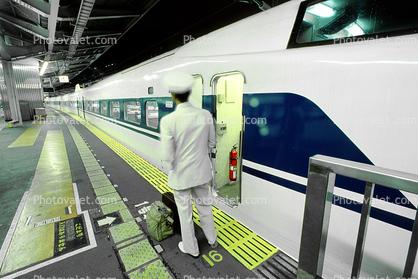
<point x="160" y="221"/>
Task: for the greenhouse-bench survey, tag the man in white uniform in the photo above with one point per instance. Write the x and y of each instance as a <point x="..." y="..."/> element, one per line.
<point x="187" y="135"/>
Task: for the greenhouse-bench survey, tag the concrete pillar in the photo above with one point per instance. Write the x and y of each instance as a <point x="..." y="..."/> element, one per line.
<point x="12" y="92"/>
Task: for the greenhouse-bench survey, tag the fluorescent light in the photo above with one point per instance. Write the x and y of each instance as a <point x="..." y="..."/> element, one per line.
<point x="354" y="29"/>
<point x="321" y="10"/>
<point x="44" y="66"/>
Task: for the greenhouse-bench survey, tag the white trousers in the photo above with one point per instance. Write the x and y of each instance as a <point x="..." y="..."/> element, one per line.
<point x="202" y="199"/>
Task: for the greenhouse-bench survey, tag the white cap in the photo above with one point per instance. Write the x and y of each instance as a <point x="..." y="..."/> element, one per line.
<point x="178" y="82"/>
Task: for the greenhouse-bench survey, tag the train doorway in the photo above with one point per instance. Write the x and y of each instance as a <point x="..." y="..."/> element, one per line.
<point x="228" y="101"/>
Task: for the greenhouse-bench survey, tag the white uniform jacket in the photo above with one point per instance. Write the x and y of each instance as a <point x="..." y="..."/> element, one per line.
<point x="186" y="136"/>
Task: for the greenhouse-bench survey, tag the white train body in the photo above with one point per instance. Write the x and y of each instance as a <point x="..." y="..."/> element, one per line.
<point x="353" y="100"/>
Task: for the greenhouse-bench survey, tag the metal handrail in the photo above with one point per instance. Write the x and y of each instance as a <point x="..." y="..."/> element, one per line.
<point x="319" y="193"/>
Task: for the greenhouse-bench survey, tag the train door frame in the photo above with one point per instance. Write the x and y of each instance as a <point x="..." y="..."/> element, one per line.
<point x="235" y="124"/>
<point x="196" y="96"/>
<point x="83" y="106"/>
<point x="77" y="104"/>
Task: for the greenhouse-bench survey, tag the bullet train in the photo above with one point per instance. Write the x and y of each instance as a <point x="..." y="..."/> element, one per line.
<point x="336" y="78"/>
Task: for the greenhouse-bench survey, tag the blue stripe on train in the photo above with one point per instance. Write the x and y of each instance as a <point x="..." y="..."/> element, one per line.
<point x="275" y="179"/>
<point x="296" y="129"/>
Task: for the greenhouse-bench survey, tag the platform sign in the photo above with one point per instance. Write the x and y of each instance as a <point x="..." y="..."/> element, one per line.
<point x="63" y="79"/>
<point x="69" y="235"/>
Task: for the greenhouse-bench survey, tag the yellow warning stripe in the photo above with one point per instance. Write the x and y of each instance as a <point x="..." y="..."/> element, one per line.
<point x="28" y="138"/>
<point x="246" y="246"/>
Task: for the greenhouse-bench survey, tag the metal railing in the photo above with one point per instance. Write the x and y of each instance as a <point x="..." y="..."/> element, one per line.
<point x="319" y="194"/>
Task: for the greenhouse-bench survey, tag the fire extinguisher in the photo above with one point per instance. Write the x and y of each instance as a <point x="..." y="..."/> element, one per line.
<point x="233" y="163"/>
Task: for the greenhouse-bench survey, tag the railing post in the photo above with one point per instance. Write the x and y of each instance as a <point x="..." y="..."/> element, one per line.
<point x="362" y="231"/>
<point x="318" y="203"/>
<point x="319" y="193"/>
<point x="412" y="251"/>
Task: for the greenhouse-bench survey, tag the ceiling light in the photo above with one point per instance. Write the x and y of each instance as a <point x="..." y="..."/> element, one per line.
<point x="321" y="10"/>
<point x="354" y="29"/>
<point x="44" y="66"/>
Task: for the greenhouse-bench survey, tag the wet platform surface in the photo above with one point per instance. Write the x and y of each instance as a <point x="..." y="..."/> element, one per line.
<point x="62" y="180"/>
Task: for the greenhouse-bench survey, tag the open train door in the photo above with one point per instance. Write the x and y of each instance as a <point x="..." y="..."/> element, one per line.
<point x="229" y="122"/>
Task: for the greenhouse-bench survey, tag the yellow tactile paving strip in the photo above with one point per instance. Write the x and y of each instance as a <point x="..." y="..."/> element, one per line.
<point x="51" y="192"/>
<point x="246" y="246"/>
<point x="29" y="137"/>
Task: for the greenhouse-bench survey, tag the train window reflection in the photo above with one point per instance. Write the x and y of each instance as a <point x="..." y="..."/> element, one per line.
<point x="103" y="107"/>
<point x="339" y="21"/>
<point x="152" y="113"/>
<point x="96" y="106"/>
<point x="114" y="109"/>
<point x="132" y="111"/>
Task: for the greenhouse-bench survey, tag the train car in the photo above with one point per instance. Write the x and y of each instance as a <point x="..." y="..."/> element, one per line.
<point x="331" y="77"/>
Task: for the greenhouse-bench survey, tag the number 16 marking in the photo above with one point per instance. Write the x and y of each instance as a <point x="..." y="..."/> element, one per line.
<point x="215" y="256"/>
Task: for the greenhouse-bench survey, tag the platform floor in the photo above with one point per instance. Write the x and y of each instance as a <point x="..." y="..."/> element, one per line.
<point x="62" y="180"/>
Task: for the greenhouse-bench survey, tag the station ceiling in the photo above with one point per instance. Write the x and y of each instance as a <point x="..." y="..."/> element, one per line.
<point x="87" y="40"/>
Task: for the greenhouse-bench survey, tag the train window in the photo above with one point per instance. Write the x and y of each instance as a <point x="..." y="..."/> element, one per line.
<point x="96" y="106"/>
<point x="150" y="90"/>
<point x="342" y="21"/>
<point x="132" y="110"/>
<point x="103" y="107"/>
<point x="114" y="109"/>
<point x="151" y="112"/>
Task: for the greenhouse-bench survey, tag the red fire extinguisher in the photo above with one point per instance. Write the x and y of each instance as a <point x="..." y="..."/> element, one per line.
<point x="233" y="163"/>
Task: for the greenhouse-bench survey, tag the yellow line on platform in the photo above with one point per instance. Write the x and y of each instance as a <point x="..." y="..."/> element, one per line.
<point x="51" y="192"/>
<point x="28" y="138"/>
